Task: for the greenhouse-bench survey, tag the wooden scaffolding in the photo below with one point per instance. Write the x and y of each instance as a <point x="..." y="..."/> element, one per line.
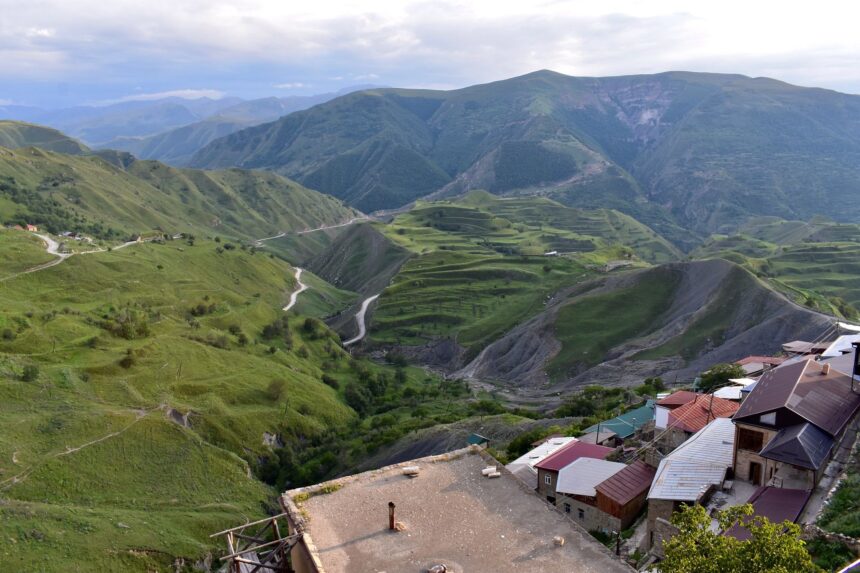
<point x="258" y="546"/>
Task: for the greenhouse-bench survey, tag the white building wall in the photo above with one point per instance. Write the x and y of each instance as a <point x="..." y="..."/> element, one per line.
<point x="661" y="417"/>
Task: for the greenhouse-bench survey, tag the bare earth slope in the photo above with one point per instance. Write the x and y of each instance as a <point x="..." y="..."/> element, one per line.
<point x="714" y="311"/>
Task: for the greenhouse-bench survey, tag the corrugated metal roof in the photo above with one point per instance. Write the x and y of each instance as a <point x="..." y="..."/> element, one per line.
<point x="678" y="398"/>
<point x="627" y="423"/>
<point x="572" y="452"/>
<point x="776" y="504"/>
<point x="772" y="360"/>
<point x="583" y="475"/>
<point x="629" y="483"/>
<point x="702" y="461"/>
<point x="802" y="445"/>
<point x="695" y="415"/>
<point x="729" y="392"/>
<point x="840" y="346"/>
<point x="825" y="400"/>
<point x="539" y="453"/>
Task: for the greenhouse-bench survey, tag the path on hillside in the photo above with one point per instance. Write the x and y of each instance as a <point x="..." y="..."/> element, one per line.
<point x="302" y="288"/>
<point x="16" y="479"/>
<point x="359" y="318"/>
<point x="52" y="247"/>
<point x="259" y="242"/>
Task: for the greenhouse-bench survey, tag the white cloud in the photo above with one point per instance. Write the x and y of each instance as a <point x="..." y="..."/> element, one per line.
<point x="441" y="42"/>
<point x="6" y="102"/>
<point x="291" y="86"/>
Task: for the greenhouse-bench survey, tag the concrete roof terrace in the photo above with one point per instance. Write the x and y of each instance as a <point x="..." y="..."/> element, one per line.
<point x="451" y="514"/>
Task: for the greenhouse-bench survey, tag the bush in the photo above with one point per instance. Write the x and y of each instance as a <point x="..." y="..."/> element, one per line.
<point x="330" y="381"/>
<point x="276" y="390"/>
<point x="30" y="373"/>
<point x="718" y="375"/>
<point x="357" y="398"/>
<point x="128" y="360"/>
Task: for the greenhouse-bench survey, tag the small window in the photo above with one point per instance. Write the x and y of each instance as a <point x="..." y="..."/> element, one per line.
<point x="769" y="418"/>
<point x="547" y="479"/>
<point x="581" y="513"/>
<point x="567" y="508"/>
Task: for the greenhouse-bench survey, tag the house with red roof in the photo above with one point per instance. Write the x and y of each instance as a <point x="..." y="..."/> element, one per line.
<point x="671" y="402"/>
<point x="549" y="468"/>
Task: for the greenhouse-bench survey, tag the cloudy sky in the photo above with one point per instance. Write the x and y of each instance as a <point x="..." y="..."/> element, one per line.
<point x="65" y="52"/>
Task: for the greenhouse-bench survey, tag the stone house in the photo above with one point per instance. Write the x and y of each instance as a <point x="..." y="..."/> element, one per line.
<point x="788" y="426"/>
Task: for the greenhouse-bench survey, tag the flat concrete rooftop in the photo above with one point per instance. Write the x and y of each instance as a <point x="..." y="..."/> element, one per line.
<point x="451" y="514"/>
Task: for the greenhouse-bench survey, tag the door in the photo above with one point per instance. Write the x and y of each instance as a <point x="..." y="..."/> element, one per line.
<point x="755" y="473"/>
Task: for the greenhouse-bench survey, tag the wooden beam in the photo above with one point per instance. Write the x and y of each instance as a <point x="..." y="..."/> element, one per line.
<point x="269" y="544"/>
<point x="249" y="524"/>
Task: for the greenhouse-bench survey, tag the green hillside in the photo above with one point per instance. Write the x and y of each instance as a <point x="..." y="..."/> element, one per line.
<point x="17" y="134"/>
<point x="19" y="251"/>
<point x="141" y="389"/>
<point x="86" y="193"/>
<point x="701" y="152"/>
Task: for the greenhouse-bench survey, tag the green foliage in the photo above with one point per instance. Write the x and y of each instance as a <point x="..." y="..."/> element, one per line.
<point x="30" y="373"/>
<point x="829" y="555"/>
<point x="842" y="513"/>
<point x="718" y="376"/>
<point x="771" y="548"/>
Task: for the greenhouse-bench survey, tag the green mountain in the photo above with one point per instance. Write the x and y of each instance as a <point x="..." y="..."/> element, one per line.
<point x="117" y="196"/>
<point x="17" y="134"/>
<point x="703" y="151"/>
<point x="176" y="146"/>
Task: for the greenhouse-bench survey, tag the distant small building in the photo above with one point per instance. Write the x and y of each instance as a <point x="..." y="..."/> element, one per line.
<point x="626" y="425"/>
<point x="756" y="365"/>
<point x="551" y="254"/>
<point x="523" y="467"/>
<point x="549" y="468"/>
<point x="622" y="496"/>
<point x="688" y="419"/>
<point x="478" y="440"/>
<point x="32" y="228"/>
<point x="804" y="348"/>
<point x="669" y="403"/>
<point x="576" y="492"/>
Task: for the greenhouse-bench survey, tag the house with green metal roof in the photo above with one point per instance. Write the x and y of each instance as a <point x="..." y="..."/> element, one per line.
<point x="627" y="423"/>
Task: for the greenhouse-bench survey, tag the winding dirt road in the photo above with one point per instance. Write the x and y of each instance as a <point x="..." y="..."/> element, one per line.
<point x="295" y="295"/>
<point x="259" y="242"/>
<point x="359" y="318"/>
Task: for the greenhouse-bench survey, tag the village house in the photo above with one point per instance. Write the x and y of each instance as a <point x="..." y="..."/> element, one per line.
<point x="671" y="402"/>
<point x="787" y="427"/>
<point x="523" y="468"/>
<point x="776" y="504"/>
<point x="686" y="420"/>
<point x="624" y="426"/>
<point x="603" y="495"/>
<point x="32" y="228"/>
<point x="435" y="511"/>
<point x="689" y="475"/>
<point x="803" y="348"/>
<point x="756" y="365"/>
<point x="548" y="468"/>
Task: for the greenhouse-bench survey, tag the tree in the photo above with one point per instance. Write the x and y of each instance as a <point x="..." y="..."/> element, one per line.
<point x="30" y="373"/>
<point x="771" y="547"/>
<point x="719" y="375"/>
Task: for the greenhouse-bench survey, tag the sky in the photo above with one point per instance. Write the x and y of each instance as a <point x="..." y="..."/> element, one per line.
<point x="57" y="53"/>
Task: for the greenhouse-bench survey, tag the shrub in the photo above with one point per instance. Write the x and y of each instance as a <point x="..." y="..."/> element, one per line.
<point x="330" y="381"/>
<point x="30" y="373"/>
<point x="276" y="390"/>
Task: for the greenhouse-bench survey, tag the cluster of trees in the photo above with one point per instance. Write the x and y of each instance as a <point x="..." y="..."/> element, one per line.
<point x="770" y="548"/>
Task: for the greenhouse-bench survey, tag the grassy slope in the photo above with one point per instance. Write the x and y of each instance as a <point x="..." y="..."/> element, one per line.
<point x="16" y="134"/>
<point x="171" y="485"/>
<point x="591" y="326"/>
<point x="86" y="193"/>
<point x="470" y="279"/>
<point x="20" y="251"/>
<point x="813" y="263"/>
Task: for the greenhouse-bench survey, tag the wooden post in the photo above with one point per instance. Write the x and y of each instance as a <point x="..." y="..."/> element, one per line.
<point x="391" y="515"/>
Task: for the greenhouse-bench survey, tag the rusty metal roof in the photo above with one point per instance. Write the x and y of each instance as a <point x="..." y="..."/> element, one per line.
<point x="695" y="415"/>
<point x="626" y="485"/>
<point x="678" y="398"/>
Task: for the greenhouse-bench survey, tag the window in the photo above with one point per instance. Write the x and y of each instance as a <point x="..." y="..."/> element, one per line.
<point x="547" y="479"/>
<point x="750" y="440"/>
<point x="769" y="418"/>
<point x="581" y="513"/>
<point x="567" y="508"/>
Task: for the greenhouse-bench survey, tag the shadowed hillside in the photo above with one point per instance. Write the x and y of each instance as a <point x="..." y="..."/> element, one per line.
<point x="703" y="151"/>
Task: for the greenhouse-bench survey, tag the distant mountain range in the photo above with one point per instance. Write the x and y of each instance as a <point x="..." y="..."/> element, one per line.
<point x="679" y="151"/>
<point x="146" y="128"/>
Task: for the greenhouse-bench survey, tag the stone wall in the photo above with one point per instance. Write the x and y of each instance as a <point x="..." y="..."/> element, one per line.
<point x="592" y="518"/>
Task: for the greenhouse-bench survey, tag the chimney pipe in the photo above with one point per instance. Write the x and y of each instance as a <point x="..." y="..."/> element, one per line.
<point x="825" y="369"/>
<point x="391" y="515"/>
